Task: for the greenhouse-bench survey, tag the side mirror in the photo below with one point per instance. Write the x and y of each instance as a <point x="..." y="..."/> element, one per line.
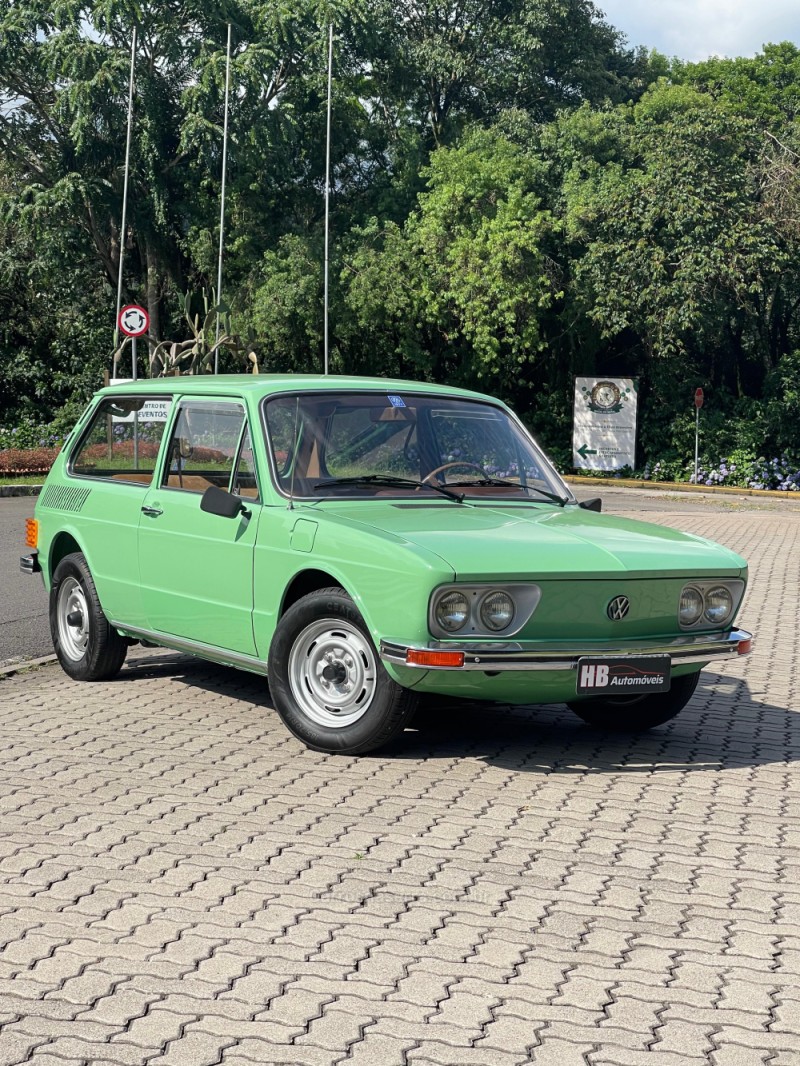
<point x="595" y="504"/>
<point x="219" y="502"/>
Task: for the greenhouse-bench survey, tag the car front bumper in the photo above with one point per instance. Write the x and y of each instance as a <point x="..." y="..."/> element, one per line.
<point x="537" y="655"/>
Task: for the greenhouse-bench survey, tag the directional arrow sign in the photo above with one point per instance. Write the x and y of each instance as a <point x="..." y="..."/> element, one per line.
<point x="583" y="451"/>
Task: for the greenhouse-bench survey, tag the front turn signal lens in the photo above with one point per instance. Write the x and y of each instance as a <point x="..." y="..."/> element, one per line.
<point x="745" y="647"/>
<point x="31" y="532"/>
<point x="419" y="657"/>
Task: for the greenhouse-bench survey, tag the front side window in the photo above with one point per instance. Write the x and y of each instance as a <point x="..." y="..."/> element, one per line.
<point x="123" y="439"/>
<point x="203" y="446"/>
<point x="366" y="443"/>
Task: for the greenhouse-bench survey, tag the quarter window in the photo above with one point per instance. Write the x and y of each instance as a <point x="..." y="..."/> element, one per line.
<point x="123" y="439"/>
<point x="244" y="478"/>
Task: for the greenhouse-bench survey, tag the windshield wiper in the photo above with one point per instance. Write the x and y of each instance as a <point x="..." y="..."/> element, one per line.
<point x="560" y="500"/>
<point x="390" y="481"/>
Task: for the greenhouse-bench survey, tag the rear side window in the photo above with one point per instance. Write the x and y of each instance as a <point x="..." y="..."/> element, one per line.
<point x="123" y="439"/>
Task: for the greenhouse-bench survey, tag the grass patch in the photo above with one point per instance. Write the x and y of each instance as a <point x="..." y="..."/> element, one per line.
<point x="23" y="479"/>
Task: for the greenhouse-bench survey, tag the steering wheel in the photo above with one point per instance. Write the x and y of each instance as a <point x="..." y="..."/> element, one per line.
<point x="449" y="466"/>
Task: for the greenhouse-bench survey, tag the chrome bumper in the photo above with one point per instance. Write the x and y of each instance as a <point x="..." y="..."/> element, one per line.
<point x="29" y="564"/>
<point x="534" y="655"/>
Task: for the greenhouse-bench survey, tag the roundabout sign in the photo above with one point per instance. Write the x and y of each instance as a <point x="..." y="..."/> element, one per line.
<point x="133" y="321"/>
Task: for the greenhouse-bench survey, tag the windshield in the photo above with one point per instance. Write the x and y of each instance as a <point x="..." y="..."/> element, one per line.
<point x="367" y="444"/>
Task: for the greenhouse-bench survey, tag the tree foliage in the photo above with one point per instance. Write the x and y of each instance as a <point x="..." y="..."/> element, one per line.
<point x="517" y="197"/>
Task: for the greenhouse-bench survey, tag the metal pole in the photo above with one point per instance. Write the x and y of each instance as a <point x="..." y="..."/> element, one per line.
<point x="125" y="191"/>
<point x="135" y="413"/>
<point x="328" y="186"/>
<point x="696" y="443"/>
<point x="222" y="200"/>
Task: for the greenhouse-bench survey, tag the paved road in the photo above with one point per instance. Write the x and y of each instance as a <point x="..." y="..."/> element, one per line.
<point x="25" y="633"/>
<point x="182" y="883"/>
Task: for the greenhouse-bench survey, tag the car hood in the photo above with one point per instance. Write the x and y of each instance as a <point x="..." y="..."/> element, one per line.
<point x="517" y="540"/>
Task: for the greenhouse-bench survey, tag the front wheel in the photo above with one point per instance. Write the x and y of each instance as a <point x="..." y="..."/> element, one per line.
<point x="327" y="682"/>
<point x="87" y="646"/>
<point x="636" y="714"/>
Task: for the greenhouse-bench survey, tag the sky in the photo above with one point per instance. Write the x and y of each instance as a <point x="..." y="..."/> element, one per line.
<point x="697" y="29"/>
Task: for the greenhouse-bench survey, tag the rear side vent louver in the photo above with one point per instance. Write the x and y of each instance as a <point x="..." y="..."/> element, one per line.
<point x="64" y="497"/>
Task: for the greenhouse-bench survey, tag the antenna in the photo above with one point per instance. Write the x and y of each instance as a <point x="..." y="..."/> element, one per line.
<point x="328" y="184"/>
<point x="222" y="200"/>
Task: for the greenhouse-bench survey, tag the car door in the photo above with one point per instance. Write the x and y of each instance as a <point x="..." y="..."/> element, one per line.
<point x="196" y="568"/>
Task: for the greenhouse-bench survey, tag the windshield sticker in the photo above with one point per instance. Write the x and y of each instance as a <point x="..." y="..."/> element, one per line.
<point x="396" y="401"/>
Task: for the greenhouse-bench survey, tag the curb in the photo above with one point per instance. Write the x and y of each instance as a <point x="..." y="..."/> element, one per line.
<point x="26" y="664"/>
<point x="20" y="490"/>
<point x="680" y="486"/>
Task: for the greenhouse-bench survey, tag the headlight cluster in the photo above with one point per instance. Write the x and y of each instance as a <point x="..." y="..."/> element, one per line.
<point x="712" y="604"/>
<point x="482" y="609"/>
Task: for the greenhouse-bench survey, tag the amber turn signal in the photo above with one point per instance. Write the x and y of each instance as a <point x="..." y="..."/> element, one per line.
<point x="434" y="658"/>
<point x="745" y="647"/>
<point x="31" y="532"/>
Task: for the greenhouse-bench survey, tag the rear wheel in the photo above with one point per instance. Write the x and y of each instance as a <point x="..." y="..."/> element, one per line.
<point x="87" y="646"/>
<point x="327" y="682"/>
<point x="636" y="714"/>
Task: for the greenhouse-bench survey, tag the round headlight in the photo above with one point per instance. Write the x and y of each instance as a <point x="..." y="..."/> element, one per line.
<point x="452" y="611"/>
<point x="691" y="607"/>
<point x="497" y="610"/>
<point x="719" y="604"/>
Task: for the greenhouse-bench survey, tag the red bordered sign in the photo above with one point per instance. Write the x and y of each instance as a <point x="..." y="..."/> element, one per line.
<point x="133" y="320"/>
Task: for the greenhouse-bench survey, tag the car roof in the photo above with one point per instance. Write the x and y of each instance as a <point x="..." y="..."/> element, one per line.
<point x="270" y="384"/>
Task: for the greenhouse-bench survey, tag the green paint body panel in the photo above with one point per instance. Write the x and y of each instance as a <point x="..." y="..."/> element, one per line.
<point x="226" y="582"/>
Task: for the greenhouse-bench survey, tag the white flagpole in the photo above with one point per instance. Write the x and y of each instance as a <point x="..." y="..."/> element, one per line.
<point x="125" y="191"/>
<point x="328" y="185"/>
<point x="222" y="200"/>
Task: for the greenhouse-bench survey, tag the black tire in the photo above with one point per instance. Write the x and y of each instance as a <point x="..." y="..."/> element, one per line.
<point x="637" y="714"/>
<point x="88" y="648"/>
<point x="353" y="709"/>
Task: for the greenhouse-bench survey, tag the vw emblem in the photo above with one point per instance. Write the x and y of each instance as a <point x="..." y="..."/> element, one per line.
<point x="618" y="608"/>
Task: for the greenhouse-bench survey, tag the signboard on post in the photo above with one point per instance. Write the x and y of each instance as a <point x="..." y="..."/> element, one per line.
<point x="151" y="410"/>
<point x="604" y="427"/>
<point x="133" y="321"/>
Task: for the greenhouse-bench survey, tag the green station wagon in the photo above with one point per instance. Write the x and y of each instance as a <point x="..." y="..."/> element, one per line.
<point x="364" y="543"/>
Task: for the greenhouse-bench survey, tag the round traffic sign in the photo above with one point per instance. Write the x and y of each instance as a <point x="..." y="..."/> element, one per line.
<point x="698" y="398"/>
<point x="133" y="320"/>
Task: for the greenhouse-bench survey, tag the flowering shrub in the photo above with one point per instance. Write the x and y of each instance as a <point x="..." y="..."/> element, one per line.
<point x="28" y="435"/>
<point x="26" y="461"/>
<point x="782" y="472"/>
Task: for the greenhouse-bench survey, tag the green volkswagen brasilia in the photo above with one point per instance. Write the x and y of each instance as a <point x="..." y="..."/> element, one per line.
<point x="363" y="542"/>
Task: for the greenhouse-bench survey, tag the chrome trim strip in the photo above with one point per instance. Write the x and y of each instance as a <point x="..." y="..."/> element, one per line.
<point x="194" y="647"/>
<point x="530" y="655"/>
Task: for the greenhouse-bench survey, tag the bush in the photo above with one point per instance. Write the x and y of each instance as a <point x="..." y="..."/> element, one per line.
<point x="27" y="434"/>
<point x="26" y="461"/>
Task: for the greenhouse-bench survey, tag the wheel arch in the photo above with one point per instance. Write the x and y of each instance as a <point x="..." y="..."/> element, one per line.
<point x="62" y="544"/>
<point x="305" y="582"/>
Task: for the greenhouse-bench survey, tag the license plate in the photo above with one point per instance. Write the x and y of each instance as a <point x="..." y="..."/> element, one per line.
<point x="624" y="677"/>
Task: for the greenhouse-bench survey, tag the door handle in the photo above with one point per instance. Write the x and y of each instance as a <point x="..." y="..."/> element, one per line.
<point x="152" y="512"/>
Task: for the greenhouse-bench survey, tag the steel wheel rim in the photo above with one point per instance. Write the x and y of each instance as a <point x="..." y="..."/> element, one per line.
<point x="73" y="639"/>
<point x="338" y="646"/>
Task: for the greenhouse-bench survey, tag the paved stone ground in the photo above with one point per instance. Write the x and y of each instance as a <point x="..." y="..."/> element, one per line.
<point x="182" y="883"/>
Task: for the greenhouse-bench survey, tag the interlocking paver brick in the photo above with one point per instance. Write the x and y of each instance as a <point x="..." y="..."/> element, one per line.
<point x="179" y="879"/>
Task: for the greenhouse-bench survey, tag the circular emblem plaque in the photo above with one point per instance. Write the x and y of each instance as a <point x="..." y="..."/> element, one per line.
<point x="618" y="608"/>
<point x="605" y="395"/>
